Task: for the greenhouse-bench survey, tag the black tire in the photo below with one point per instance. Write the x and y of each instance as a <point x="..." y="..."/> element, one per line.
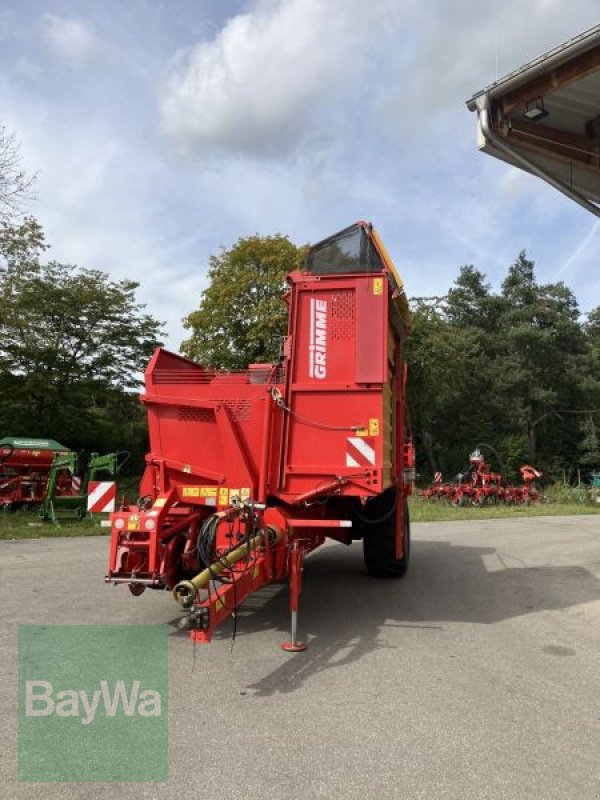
<point x="379" y="548"/>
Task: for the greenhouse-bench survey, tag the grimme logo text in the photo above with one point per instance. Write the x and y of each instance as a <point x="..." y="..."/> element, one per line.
<point x="317" y="346"/>
<point x="41" y="701"/>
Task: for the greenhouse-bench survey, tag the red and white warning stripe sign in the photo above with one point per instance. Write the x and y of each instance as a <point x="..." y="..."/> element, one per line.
<point x="102" y="496"/>
<point x="76" y="484"/>
<point x="359" y="453"/>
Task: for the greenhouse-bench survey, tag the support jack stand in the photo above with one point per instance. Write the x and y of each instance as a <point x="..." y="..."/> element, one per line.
<point x="296" y="561"/>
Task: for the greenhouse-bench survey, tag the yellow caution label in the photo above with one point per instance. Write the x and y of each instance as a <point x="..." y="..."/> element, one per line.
<point x="377" y="285"/>
<point x="133" y="522"/>
<point x="233" y="493"/>
<point x="374" y="427"/>
<point x="199" y="491"/>
<point x="244" y="493"/>
<point x="361" y="432"/>
<point x="159" y="502"/>
<point x="219" y="604"/>
<point x="223" y="496"/>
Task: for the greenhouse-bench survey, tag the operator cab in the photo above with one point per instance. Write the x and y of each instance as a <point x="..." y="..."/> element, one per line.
<point x="356" y="249"/>
<point x="350" y="250"/>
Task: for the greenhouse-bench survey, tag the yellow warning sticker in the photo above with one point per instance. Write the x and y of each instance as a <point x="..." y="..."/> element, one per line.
<point x="133" y="522"/>
<point x="223" y="496"/>
<point x="233" y="493"/>
<point x="160" y="502"/>
<point x="219" y="604"/>
<point x="377" y="285"/>
<point x="374" y="427"/>
<point x="244" y="493"/>
<point x="199" y="491"/>
<point x="362" y="432"/>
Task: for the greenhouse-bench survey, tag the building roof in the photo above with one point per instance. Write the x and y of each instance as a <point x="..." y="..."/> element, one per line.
<point x="544" y="117"/>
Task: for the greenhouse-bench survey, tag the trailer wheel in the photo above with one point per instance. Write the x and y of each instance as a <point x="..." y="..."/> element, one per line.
<point x="379" y="548"/>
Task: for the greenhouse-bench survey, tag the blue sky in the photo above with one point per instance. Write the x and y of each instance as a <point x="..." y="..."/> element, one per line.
<point x="165" y="129"/>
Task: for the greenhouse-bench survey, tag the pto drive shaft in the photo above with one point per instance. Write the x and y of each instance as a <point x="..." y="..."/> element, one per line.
<point x="185" y="591"/>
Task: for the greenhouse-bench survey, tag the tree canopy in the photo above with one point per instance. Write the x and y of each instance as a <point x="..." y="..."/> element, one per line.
<point x="73" y="346"/>
<point x="241" y="318"/>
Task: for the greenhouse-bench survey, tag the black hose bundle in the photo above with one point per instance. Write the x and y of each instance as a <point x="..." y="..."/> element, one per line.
<point x="207" y="552"/>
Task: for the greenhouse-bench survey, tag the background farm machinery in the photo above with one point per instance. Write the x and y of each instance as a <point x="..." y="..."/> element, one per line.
<point x="43" y="474"/>
<point x="249" y="471"/>
<point x="89" y="473"/>
<point x="478" y="485"/>
<point x="25" y="466"/>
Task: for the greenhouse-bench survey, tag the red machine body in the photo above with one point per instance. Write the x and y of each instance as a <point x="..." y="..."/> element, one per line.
<point x="273" y="459"/>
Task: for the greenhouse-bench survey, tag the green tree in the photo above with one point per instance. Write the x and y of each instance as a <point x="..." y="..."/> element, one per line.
<point x="242" y="318"/>
<point x="73" y="346"/>
<point x="542" y="348"/>
<point x="440" y="359"/>
<point x="21" y="242"/>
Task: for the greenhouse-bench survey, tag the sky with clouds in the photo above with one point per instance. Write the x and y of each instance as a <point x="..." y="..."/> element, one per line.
<point x="163" y="130"/>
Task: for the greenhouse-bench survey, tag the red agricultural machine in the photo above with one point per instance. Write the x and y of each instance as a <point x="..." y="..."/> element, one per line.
<point x="249" y="471"/>
<point x="478" y="485"/>
<point x="25" y="466"/>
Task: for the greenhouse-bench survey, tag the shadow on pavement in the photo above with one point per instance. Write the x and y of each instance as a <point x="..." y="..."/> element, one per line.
<point x="343" y="611"/>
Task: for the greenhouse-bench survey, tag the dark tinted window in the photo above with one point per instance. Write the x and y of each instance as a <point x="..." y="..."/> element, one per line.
<point x="349" y="251"/>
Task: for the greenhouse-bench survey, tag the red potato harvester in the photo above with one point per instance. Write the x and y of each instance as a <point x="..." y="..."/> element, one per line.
<point x="248" y="471"/>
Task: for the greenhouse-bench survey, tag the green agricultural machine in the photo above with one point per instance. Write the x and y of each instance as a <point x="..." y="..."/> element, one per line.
<point x="85" y="472"/>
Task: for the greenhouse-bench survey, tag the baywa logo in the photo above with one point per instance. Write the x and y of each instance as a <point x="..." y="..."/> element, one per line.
<point x="93" y="703"/>
<point x="40" y="701"/>
<point x="317" y="346"/>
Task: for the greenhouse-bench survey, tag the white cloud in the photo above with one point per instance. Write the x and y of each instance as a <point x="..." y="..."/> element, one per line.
<point x="69" y="37"/>
<point x="258" y="86"/>
<point x="288" y="75"/>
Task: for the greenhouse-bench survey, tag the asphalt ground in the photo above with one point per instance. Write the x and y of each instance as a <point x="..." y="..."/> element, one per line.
<point x="477" y="676"/>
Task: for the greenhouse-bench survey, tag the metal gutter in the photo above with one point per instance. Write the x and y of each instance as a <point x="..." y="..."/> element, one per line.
<point x="483" y="112"/>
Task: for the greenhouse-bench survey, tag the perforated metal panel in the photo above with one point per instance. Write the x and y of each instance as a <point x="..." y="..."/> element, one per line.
<point x="240" y="409"/>
<point x="342" y="316"/>
<point x="188" y="414"/>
